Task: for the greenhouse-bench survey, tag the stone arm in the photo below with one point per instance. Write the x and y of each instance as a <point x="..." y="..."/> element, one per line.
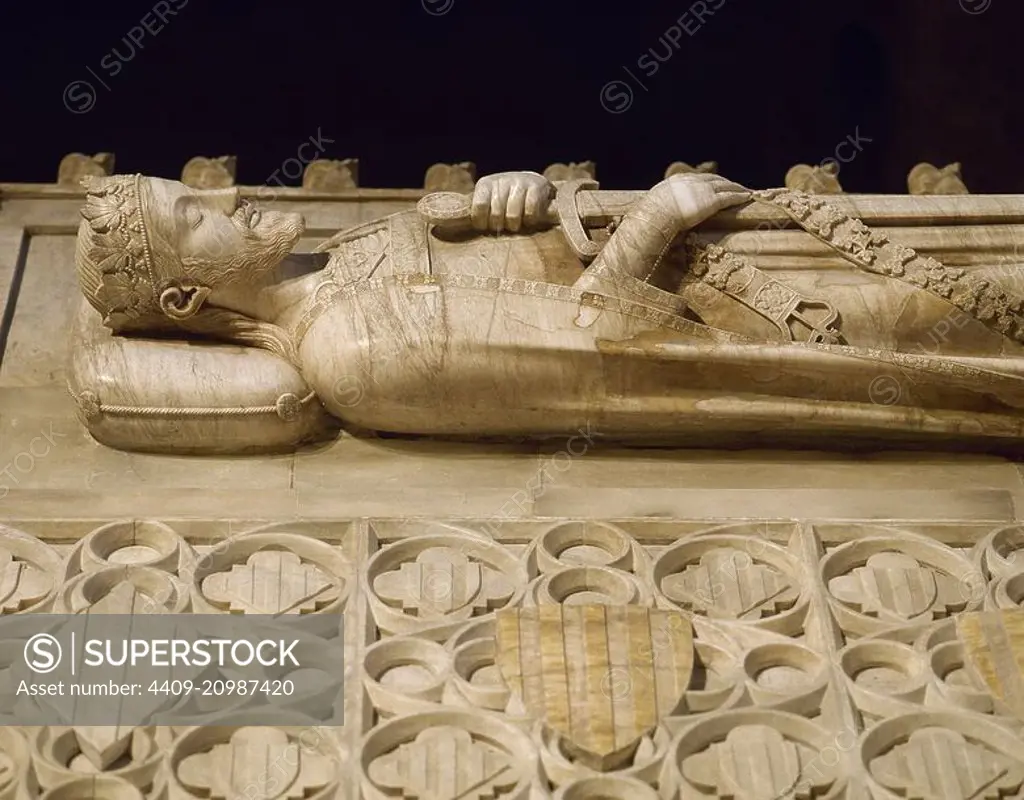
<point x="635" y="249"/>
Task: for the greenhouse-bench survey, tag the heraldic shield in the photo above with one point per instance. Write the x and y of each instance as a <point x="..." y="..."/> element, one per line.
<point x="993" y="643"/>
<point x="601" y="677"/>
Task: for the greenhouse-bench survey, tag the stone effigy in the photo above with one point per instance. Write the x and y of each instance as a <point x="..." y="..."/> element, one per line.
<point x="556" y="620"/>
<point x="497" y="314"/>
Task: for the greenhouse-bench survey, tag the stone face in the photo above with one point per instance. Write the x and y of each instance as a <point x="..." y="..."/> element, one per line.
<point x="601" y="317"/>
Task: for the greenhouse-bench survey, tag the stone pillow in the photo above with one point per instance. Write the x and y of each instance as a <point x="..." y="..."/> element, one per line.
<point x="165" y="396"/>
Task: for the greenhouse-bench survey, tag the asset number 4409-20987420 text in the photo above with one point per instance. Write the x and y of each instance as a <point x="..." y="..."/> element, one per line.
<point x="208" y="688"/>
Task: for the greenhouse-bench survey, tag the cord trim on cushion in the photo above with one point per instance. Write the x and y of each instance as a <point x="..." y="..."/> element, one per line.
<point x="288" y="407"/>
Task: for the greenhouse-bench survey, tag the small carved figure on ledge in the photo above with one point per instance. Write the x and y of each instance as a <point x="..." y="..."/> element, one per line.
<point x="514" y="312"/>
<point x="682" y="168"/>
<point x="75" y="166"/>
<point x="585" y="170"/>
<point x="450" y="177"/>
<point x="814" y="180"/>
<point x="926" y="178"/>
<point x="331" y="175"/>
<point x="209" y="173"/>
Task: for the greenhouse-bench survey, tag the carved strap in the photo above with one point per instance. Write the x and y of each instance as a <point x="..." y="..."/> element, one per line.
<point x="329" y="293"/>
<point x="873" y="252"/>
<point x="796" y="316"/>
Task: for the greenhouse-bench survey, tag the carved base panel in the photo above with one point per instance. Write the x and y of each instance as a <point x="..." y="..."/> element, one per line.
<point x="562" y="659"/>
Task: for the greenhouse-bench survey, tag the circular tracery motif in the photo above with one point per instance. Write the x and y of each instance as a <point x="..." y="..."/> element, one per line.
<point x="404" y="674"/>
<point x="590" y="586"/>
<point x="140" y="543"/>
<point x="132" y="754"/>
<point x="585" y="544"/>
<point x="124" y="590"/>
<point x="28" y="572"/>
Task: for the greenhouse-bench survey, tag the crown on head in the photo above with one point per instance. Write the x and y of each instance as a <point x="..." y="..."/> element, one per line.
<point x="120" y="247"/>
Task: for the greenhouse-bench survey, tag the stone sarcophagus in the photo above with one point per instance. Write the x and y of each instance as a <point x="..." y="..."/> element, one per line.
<point x="451" y="420"/>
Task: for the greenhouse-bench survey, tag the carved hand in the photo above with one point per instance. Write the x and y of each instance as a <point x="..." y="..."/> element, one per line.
<point x="692" y="198"/>
<point x="511" y="200"/>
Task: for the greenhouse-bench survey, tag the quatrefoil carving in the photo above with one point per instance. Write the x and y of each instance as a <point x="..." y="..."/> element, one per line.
<point x="895" y="587"/>
<point x="935" y="762"/>
<point x="259" y="764"/>
<point x="443" y="581"/>
<point x="445" y="762"/>
<point x="728" y="584"/>
<point x="272" y="582"/>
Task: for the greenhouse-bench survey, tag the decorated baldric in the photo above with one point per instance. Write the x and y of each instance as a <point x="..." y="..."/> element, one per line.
<point x="872" y="251"/>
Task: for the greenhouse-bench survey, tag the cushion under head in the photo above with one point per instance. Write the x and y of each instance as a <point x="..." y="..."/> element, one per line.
<point x="188" y="397"/>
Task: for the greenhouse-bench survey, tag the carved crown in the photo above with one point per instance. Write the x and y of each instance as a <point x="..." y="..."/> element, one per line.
<point x="120" y="268"/>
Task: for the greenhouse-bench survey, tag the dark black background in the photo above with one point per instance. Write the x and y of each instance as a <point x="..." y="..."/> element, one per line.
<point x="761" y="85"/>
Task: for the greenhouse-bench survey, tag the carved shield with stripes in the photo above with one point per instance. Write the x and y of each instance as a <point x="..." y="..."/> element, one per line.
<point x="600" y="676"/>
<point x="993" y="644"/>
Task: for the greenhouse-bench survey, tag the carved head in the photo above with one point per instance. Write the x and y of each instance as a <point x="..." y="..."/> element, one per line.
<point x="152" y="250"/>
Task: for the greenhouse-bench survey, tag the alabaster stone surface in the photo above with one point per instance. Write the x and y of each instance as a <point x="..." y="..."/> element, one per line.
<point x="564" y="659"/>
<point x="202" y="172"/>
<point x="557" y="619"/>
<point x="697" y="312"/>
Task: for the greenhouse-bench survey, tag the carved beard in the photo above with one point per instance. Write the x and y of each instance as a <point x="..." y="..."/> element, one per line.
<point x="261" y="252"/>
